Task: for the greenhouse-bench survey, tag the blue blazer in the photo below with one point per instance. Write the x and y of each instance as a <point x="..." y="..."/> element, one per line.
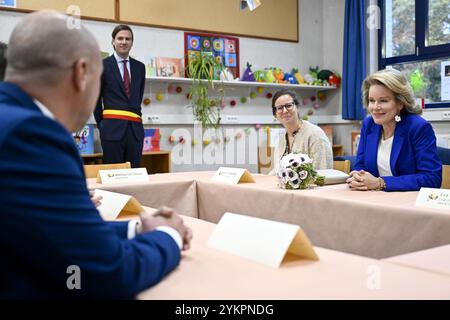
<point x="414" y="160"/>
<point x="48" y="222"/>
<point x="112" y="96"/>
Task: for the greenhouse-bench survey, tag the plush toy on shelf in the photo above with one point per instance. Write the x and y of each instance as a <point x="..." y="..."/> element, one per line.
<point x="324" y="74"/>
<point x="298" y="76"/>
<point x="279" y="75"/>
<point x="259" y="75"/>
<point x="248" y="74"/>
<point x="268" y="76"/>
<point x="289" y="77"/>
<point x="334" y="80"/>
<point x="309" y="79"/>
<point x="323" y="77"/>
<point x="313" y="78"/>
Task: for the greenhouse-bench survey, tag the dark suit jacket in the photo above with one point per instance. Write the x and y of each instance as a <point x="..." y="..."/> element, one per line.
<point x="48" y="222"/>
<point x="414" y="160"/>
<point x="112" y="95"/>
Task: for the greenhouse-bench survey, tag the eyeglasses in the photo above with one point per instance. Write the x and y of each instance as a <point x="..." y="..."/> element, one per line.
<point x="288" y="107"/>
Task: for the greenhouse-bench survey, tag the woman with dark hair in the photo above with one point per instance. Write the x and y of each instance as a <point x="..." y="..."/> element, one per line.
<point x="301" y="136"/>
<point x="397" y="150"/>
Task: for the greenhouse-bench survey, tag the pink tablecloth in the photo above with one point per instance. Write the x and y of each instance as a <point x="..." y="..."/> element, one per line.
<point x="172" y="190"/>
<point x="374" y="224"/>
<point x="434" y="260"/>
<point x="206" y="273"/>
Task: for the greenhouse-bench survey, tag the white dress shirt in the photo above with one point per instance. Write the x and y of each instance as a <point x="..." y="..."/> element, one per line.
<point x="120" y="64"/>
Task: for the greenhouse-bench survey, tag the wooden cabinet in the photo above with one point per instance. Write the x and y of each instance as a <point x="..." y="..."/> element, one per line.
<point x="155" y="162"/>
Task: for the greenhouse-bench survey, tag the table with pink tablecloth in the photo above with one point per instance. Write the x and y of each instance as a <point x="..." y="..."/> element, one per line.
<point x="433" y="260"/>
<point x="172" y="190"/>
<point x="207" y="273"/>
<point x="374" y="224"/>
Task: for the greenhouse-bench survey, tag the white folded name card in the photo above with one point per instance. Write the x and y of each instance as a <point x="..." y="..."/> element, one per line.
<point x="232" y="175"/>
<point x="122" y="175"/>
<point x="433" y="198"/>
<point x="117" y="205"/>
<point x="260" y="240"/>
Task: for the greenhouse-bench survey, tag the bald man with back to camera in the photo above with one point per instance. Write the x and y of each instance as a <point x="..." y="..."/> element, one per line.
<point x="48" y="223"/>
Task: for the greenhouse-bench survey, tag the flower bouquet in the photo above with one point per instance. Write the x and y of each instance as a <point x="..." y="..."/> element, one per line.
<point x="297" y="172"/>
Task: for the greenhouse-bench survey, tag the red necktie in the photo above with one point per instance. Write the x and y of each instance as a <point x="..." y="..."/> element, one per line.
<point x="126" y="79"/>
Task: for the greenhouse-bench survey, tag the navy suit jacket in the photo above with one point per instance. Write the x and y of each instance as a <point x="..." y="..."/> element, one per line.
<point x="112" y="96"/>
<point x="414" y="160"/>
<point x="48" y="222"/>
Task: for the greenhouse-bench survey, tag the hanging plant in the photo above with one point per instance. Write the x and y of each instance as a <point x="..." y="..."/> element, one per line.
<point x="203" y="69"/>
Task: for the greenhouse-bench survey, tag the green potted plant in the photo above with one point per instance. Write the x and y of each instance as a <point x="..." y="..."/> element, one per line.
<point x="203" y="69"/>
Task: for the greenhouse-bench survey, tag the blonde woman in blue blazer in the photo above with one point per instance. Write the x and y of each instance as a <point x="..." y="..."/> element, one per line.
<point x="397" y="149"/>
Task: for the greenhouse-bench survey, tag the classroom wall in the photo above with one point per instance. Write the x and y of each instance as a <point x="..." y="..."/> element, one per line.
<point x="321" y="26"/>
<point x="320" y="40"/>
<point x="320" y="44"/>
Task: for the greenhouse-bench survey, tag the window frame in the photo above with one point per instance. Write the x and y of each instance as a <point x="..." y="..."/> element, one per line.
<point x="423" y="52"/>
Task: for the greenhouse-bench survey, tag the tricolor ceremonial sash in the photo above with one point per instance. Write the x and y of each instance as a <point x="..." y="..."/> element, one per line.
<point x="121" y="114"/>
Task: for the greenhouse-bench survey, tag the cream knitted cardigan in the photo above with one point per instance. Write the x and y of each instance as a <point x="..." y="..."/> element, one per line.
<point x="311" y="140"/>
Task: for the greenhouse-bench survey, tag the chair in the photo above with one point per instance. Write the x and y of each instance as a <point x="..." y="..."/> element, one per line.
<point x="343" y="165"/>
<point x="91" y="170"/>
<point x="444" y="155"/>
<point x="352" y="160"/>
<point x="445" y="177"/>
<point x="265" y="156"/>
<point x="265" y="159"/>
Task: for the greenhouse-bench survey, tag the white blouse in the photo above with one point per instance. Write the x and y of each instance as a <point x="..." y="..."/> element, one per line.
<point x="384" y="156"/>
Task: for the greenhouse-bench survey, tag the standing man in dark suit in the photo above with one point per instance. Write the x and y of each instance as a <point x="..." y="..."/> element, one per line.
<point x="49" y="227"/>
<point x="118" y="112"/>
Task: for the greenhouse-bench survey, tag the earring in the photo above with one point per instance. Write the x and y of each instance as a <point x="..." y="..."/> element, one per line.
<point x="397" y="118"/>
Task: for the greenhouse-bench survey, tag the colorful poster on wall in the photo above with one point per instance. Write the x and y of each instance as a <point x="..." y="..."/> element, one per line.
<point x="225" y="49"/>
<point x="151" y="140"/>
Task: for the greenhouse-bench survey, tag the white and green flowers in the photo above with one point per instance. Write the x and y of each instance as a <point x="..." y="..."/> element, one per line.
<point x="297" y="172"/>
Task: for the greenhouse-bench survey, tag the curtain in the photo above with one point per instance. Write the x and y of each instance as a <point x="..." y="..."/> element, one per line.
<point x="354" y="64"/>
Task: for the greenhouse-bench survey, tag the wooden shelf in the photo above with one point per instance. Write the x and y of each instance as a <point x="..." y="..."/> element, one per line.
<point x="242" y="84"/>
<point x="154" y="162"/>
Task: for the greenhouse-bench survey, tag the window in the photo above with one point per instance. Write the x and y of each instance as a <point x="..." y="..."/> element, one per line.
<point x="415" y="38"/>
